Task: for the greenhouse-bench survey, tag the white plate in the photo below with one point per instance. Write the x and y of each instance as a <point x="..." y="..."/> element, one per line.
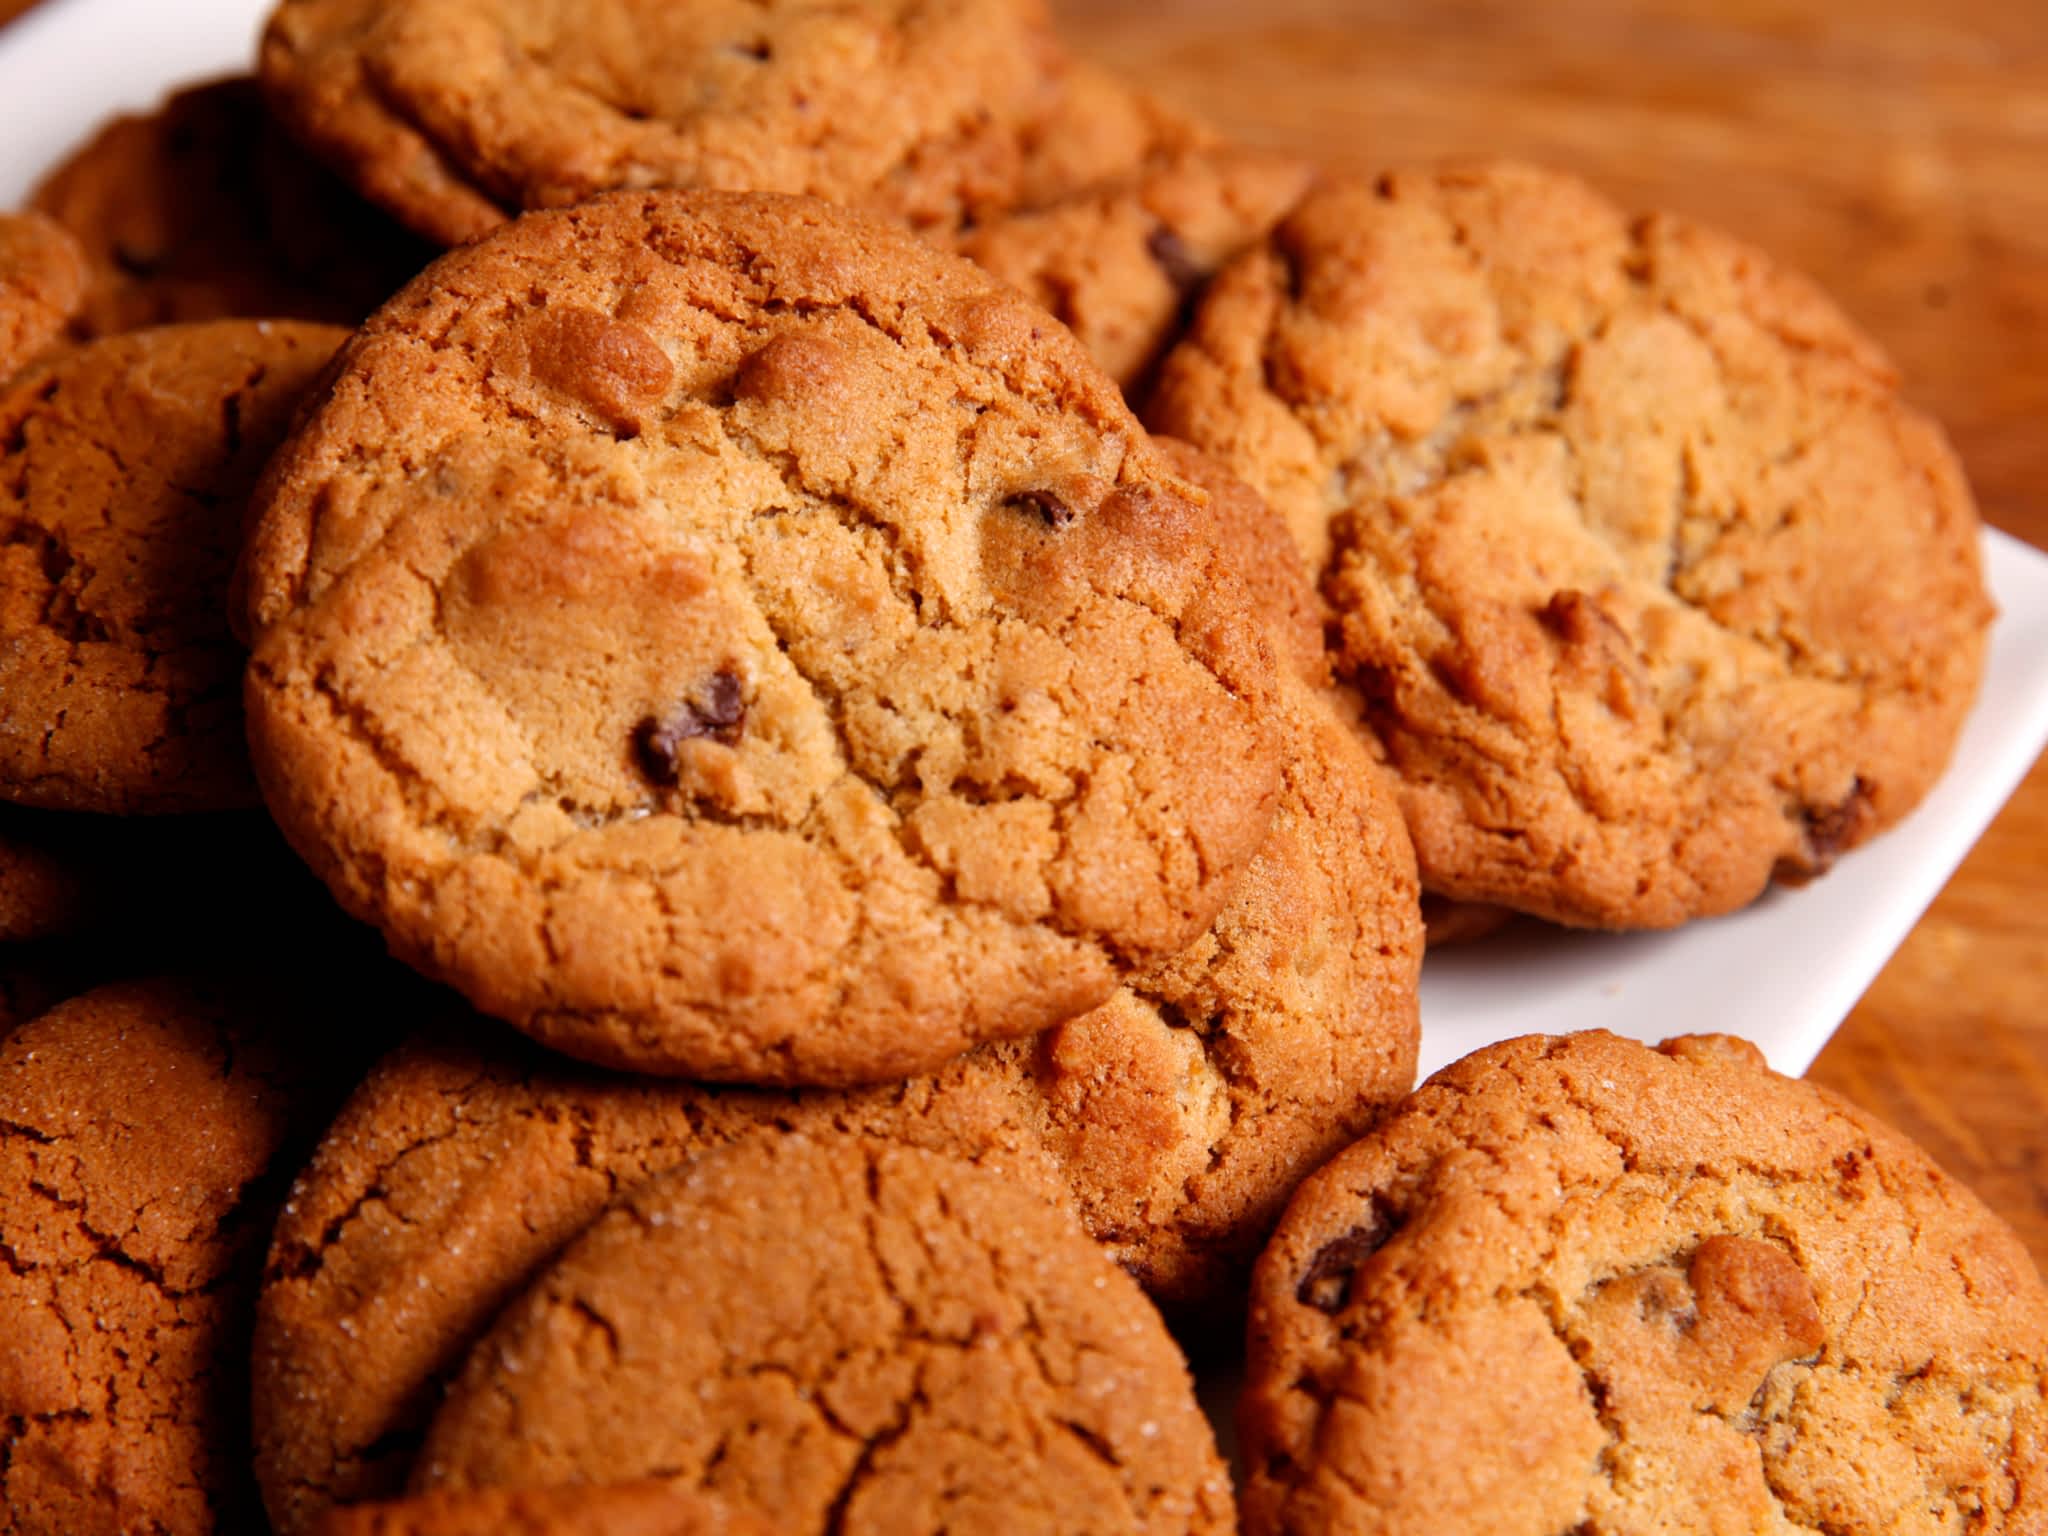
<point x="1784" y="973"/>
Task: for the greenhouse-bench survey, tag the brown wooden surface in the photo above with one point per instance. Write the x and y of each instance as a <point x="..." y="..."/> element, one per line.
<point x="1895" y="149"/>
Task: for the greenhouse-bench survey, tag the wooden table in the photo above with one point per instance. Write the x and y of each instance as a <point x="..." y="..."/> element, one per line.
<point x="1895" y="149"/>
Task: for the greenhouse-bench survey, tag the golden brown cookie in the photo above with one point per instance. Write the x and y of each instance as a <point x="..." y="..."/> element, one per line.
<point x="125" y="466"/>
<point x="1176" y="1118"/>
<point x="614" y="1509"/>
<point x="844" y="1336"/>
<point x="42" y="284"/>
<point x="1576" y="1284"/>
<point x="1649" y="581"/>
<point x="457" y="114"/>
<point x="752" y="645"/>
<point x="138" y="1124"/>
<point x="204" y="209"/>
<point x="1121" y="263"/>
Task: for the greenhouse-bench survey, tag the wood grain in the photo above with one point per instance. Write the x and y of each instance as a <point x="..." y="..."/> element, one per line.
<point x="1895" y="149"/>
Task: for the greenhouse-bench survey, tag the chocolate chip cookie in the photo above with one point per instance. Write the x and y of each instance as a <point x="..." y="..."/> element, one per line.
<point x="725" y="637"/>
<point x="42" y="284"/>
<point x="138" y="1124"/>
<point x="125" y="466"/>
<point x="842" y="1335"/>
<point x="1576" y="1284"/>
<point x="205" y="209"/>
<point x="1651" y="584"/>
<point x="621" y="1509"/>
<point x="456" y="114"/>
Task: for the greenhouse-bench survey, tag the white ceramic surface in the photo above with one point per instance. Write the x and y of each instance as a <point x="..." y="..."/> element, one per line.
<point x="1783" y="973"/>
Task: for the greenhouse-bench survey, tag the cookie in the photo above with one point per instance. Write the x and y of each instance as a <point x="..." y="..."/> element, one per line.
<point x="753" y="645"/>
<point x="457" y="114"/>
<point x="42" y="284"/>
<point x="138" y="1125"/>
<point x="620" y="1509"/>
<point x="1576" y="1284"/>
<point x="124" y="469"/>
<point x="1121" y="264"/>
<point x="204" y="209"/>
<point x="1176" y="1119"/>
<point x="1650" y="583"/>
<point x="842" y="1335"/>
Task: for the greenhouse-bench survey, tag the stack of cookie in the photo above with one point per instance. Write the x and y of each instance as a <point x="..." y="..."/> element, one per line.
<point x="886" y="864"/>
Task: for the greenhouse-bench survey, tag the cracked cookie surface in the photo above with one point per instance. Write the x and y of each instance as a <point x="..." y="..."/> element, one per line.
<point x="759" y="647"/>
<point x="845" y="1336"/>
<point x="125" y="466"/>
<point x="42" y="284"/>
<point x="137" y="1125"/>
<point x="624" y="1509"/>
<point x="457" y="114"/>
<point x="203" y="209"/>
<point x="1176" y="1119"/>
<point x="1579" y="1285"/>
<point x="1649" y="581"/>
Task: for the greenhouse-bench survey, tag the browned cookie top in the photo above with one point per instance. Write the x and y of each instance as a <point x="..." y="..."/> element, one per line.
<point x="1176" y="1118"/>
<point x="1649" y="581"/>
<point x="456" y="114"/>
<point x="1580" y="1285"/>
<point x="605" y="1509"/>
<point x="727" y="638"/>
<point x="204" y="209"/>
<point x="125" y="467"/>
<point x="42" y="283"/>
<point x="845" y="1336"/>
<point x="137" y="1124"/>
<point x="1120" y="262"/>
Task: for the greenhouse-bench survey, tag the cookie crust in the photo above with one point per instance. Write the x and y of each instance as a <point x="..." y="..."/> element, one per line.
<point x="1653" y="587"/>
<point x="1724" y="1299"/>
<point x="457" y="114"/>
<point x="203" y="209"/>
<point x="42" y="285"/>
<point x="846" y="1336"/>
<point x="767" y="651"/>
<point x="123" y="478"/>
<point x="138" y="1123"/>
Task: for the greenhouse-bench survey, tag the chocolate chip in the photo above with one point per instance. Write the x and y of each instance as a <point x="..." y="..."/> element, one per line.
<point x="1047" y="505"/>
<point x="1327" y="1284"/>
<point x="717" y="713"/>
<point x="1832" y="829"/>
<point x="1175" y="259"/>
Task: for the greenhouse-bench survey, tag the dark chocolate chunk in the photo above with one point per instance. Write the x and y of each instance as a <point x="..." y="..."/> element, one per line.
<point x="717" y="713"/>
<point x="1327" y="1285"/>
